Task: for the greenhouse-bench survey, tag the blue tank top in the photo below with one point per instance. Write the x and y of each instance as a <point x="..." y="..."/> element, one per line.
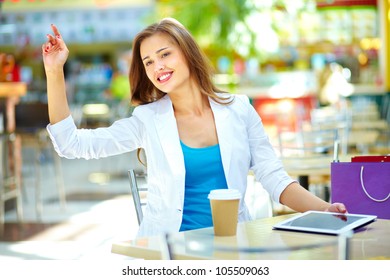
<point x="204" y="172"/>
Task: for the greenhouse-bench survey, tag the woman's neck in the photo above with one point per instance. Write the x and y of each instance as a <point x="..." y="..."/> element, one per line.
<point x="191" y="102"/>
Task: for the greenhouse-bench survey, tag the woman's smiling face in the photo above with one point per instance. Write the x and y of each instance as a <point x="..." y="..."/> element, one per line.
<point x="164" y="63"/>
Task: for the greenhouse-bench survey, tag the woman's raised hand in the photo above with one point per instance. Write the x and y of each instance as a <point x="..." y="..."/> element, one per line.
<point x="54" y="51"/>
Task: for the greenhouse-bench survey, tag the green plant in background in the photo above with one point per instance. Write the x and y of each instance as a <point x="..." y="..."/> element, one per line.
<point x="242" y="36"/>
<point x="219" y="26"/>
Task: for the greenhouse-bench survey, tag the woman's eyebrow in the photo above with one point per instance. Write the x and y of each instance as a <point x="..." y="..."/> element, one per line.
<point x="158" y="51"/>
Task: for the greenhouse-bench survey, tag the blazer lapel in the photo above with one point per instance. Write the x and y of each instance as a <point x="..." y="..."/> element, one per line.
<point x="167" y="131"/>
<point x="224" y="132"/>
<point x="168" y="134"/>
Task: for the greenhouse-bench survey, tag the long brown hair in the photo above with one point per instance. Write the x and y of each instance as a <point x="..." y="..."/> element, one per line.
<point x="142" y="89"/>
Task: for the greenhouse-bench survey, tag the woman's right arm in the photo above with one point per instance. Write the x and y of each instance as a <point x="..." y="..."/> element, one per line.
<point x="55" y="54"/>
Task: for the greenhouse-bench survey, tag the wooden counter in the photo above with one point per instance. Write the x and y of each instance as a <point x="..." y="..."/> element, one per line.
<point x="9" y="89"/>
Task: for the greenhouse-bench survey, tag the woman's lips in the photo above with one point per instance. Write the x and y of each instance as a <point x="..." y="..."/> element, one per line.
<point x="164" y="77"/>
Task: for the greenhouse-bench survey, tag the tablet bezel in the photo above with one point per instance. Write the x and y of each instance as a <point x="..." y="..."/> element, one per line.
<point x="364" y="220"/>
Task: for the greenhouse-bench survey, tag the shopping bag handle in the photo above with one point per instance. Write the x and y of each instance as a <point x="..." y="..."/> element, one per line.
<point x="365" y="191"/>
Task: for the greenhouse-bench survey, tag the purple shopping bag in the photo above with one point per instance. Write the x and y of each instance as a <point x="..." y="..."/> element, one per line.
<point x="364" y="187"/>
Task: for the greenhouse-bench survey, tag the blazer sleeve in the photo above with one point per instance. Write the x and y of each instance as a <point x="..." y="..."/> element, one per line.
<point x="267" y="167"/>
<point x="70" y="142"/>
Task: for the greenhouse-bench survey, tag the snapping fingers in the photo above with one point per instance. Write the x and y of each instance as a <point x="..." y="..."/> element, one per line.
<point x="53" y="42"/>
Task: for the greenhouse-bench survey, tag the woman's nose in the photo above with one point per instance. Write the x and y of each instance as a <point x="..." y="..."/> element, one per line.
<point x="159" y="66"/>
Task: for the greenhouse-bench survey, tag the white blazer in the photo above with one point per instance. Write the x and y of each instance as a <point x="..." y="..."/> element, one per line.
<point x="243" y="142"/>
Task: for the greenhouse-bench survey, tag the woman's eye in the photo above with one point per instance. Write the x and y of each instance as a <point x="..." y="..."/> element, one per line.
<point x="148" y="63"/>
<point x="165" y="54"/>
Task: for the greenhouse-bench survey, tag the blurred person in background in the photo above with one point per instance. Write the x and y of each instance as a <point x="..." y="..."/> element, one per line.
<point x="119" y="89"/>
<point x="333" y="85"/>
<point x="196" y="137"/>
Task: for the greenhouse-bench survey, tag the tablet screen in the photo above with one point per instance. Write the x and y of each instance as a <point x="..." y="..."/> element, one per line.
<point x="325" y="222"/>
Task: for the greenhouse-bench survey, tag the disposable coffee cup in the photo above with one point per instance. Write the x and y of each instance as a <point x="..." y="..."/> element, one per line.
<point x="224" y="210"/>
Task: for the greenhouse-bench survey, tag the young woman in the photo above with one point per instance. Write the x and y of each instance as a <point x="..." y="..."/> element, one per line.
<point x="196" y="138"/>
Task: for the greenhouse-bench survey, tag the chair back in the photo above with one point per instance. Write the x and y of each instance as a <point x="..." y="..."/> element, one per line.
<point x="139" y="190"/>
<point x="137" y="174"/>
<point x="328" y="118"/>
<point x="310" y="152"/>
<point x="307" y="142"/>
<point x="31" y="116"/>
<point x="9" y="180"/>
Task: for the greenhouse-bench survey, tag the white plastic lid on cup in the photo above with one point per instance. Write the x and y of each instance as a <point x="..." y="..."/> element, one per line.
<point x="224" y="194"/>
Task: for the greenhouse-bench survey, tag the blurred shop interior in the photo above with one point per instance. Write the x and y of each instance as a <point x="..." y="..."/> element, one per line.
<point x="286" y="52"/>
<point x="293" y="58"/>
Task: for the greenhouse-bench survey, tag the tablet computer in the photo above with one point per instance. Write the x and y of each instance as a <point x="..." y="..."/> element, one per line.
<point x="325" y="222"/>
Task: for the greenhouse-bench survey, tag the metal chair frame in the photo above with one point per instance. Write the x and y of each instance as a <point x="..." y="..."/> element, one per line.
<point x="31" y="120"/>
<point x="136" y="189"/>
<point x="10" y="182"/>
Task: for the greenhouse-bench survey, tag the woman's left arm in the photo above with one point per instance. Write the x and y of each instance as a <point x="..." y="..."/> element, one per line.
<point x="299" y="199"/>
<point x="270" y="172"/>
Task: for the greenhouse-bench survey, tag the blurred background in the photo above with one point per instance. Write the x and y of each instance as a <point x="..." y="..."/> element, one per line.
<point x="291" y="57"/>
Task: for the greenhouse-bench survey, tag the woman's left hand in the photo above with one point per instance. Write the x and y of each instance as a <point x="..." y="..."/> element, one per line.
<point x="337" y="208"/>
